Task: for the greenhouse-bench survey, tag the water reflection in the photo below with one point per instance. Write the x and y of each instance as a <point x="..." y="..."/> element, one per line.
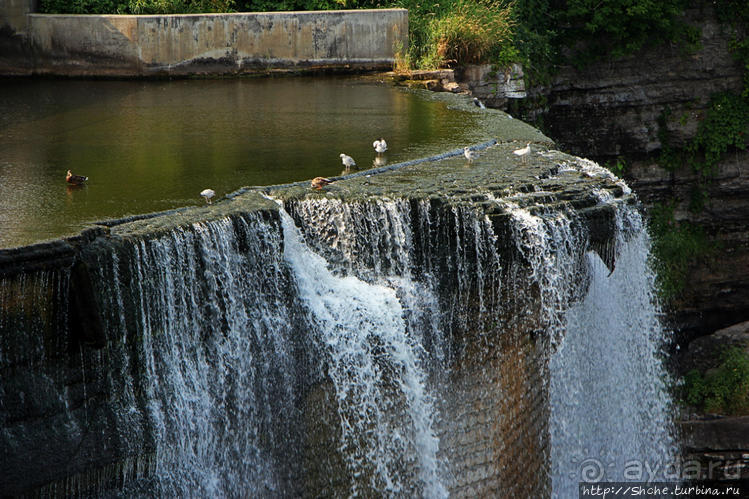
<point x="150" y="146"/>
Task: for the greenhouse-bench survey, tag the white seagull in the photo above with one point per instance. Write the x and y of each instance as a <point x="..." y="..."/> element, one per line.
<point x="470" y="155"/>
<point x="380" y="146"/>
<point x="525" y="151"/>
<point x="347" y="161"/>
<point x="208" y="194"/>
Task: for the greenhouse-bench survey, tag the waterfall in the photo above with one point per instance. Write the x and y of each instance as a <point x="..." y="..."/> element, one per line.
<point x="213" y="365"/>
<point x="386" y="414"/>
<point x="398" y="347"/>
<point x="610" y="405"/>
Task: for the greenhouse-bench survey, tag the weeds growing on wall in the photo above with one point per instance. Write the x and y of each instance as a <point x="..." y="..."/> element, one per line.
<point x="723" y="390"/>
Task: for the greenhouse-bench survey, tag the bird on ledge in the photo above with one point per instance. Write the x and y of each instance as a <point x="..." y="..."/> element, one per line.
<point x="380" y="146"/>
<point x="75" y="179"/>
<point x="478" y="103"/>
<point x="470" y="155"/>
<point x="208" y="194"/>
<point x="524" y="152"/>
<point x="320" y="182"/>
<point x="347" y="161"/>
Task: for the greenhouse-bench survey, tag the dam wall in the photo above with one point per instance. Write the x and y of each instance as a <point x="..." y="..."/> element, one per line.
<point x="200" y="44"/>
<point x="391" y="338"/>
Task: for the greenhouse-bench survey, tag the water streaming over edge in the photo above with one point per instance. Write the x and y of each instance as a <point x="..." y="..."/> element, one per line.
<point x="224" y="325"/>
<point x="611" y="407"/>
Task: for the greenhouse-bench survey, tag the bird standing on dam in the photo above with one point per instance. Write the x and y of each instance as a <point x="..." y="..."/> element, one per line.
<point x="380" y="146"/>
<point x="208" y="194"/>
<point x="320" y="182"/>
<point x="524" y="152"/>
<point x="347" y="161"/>
<point x="470" y="155"/>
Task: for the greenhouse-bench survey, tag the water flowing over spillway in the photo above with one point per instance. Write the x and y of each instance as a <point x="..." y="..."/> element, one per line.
<point x="611" y="409"/>
<point x="404" y="347"/>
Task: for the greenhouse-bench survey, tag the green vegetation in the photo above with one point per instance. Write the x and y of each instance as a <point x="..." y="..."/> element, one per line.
<point x="134" y="6"/>
<point x="676" y="246"/>
<point x="581" y="31"/>
<point x="723" y="390"/>
<point x="467" y="31"/>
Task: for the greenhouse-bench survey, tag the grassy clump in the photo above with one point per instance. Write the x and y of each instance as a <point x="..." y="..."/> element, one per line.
<point x="472" y="32"/>
<point x="724" y="390"/>
<point x="456" y="32"/>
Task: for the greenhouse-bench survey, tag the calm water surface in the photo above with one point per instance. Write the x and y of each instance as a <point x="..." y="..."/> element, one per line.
<point x="151" y="146"/>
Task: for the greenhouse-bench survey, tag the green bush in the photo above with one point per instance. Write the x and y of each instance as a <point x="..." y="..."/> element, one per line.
<point x="458" y="32"/>
<point x="723" y="390"/>
<point x="725" y="125"/>
<point x="613" y="28"/>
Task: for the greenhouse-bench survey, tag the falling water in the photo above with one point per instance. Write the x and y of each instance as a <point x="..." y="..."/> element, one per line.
<point x="386" y="414"/>
<point x="610" y="406"/>
<point x="227" y="338"/>
<point x="213" y="369"/>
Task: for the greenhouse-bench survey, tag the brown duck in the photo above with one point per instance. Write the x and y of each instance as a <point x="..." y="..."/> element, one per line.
<point x="75" y="179"/>
<point x="320" y="182"/>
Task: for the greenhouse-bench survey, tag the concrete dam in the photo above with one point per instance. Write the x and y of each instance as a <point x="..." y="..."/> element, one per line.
<point x="436" y="329"/>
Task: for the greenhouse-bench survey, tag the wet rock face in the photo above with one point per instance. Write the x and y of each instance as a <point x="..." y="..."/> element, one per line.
<point x="613" y="108"/>
<point x="705" y="352"/>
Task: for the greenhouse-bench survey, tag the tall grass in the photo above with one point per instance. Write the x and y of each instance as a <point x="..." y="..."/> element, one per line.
<point x="455" y="32"/>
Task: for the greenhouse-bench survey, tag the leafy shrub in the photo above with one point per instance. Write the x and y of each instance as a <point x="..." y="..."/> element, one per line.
<point x="724" y="125"/>
<point x="722" y="390"/>
<point x="614" y="28"/>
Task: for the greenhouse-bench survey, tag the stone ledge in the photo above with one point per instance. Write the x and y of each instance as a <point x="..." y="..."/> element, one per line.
<point x="721" y="434"/>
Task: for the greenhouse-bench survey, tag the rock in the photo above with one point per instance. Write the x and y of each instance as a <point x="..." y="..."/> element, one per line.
<point x="615" y="107"/>
<point x="494" y="86"/>
<point x="717" y="447"/>
<point x="721" y="434"/>
<point x="704" y="352"/>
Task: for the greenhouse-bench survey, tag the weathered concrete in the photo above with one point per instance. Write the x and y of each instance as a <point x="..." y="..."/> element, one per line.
<point x="13" y="14"/>
<point x="208" y="44"/>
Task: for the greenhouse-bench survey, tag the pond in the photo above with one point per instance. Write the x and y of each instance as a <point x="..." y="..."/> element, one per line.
<point x="149" y="146"/>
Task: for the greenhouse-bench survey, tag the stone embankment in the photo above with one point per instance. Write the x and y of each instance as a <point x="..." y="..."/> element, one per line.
<point x="493" y="86"/>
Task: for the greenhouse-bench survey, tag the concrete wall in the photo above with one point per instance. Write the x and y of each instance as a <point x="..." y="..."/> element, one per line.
<point x="113" y="45"/>
<point x="13" y="14"/>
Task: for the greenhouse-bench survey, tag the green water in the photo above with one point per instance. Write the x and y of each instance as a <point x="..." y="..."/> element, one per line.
<point x="151" y="146"/>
